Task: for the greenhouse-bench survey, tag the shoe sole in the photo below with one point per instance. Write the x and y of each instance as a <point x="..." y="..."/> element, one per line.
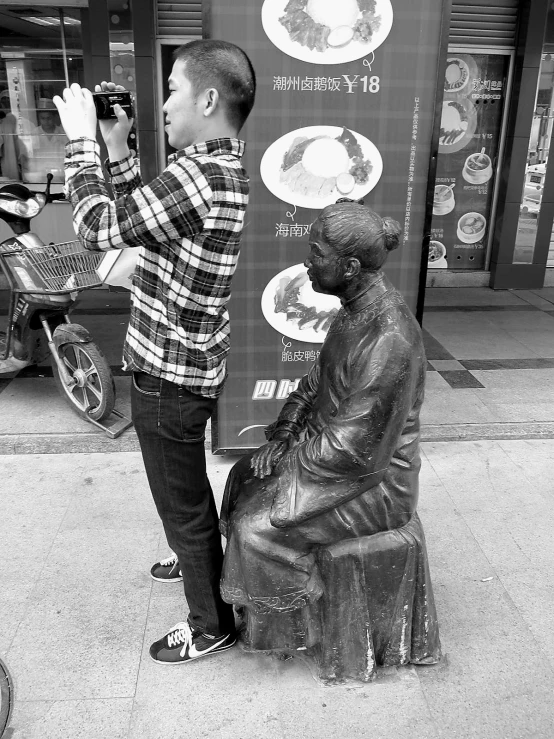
<point x="166" y="579"/>
<point x="186" y="661"/>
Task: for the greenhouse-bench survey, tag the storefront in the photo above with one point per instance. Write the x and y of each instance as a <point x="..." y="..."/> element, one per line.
<point x="437" y="113"/>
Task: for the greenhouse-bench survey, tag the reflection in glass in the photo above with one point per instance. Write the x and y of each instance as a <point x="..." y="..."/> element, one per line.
<point x="34" y="67"/>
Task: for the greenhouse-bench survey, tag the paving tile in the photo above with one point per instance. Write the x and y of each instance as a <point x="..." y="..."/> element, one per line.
<point x="272" y="698"/>
<point x="90" y="719"/>
<point x="532" y="297"/>
<point x="479" y="335"/>
<point x="443" y="405"/>
<point x="461" y="716"/>
<point x="81" y="636"/>
<point x="446" y="364"/>
<point x="506" y="364"/>
<point x="460" y="379"/>
<point x="470" y="296"/>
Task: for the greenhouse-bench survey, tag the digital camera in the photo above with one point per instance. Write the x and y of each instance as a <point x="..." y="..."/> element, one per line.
<point x="104" y="102"/>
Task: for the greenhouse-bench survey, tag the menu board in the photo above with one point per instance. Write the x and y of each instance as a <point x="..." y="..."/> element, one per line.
<point x="469" y="140"/>
<point x="344" y="108"/>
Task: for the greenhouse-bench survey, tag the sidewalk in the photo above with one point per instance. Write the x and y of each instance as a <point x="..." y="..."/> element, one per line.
<point x="79" y="532"/>
<point x="491" y="373"/>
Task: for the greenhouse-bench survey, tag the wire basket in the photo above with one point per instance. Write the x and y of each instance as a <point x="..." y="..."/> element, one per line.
<point x="56" y="268"/>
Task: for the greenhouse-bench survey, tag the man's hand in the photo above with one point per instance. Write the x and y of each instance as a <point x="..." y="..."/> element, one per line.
<point x="115" y="131"/>
<point x="77" y="112"/>
<point x="267" y="457"/>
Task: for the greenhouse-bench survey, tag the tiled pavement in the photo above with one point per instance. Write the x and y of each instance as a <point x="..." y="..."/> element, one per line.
<point x="490" y="361"/>
<point x="78" y="533"/>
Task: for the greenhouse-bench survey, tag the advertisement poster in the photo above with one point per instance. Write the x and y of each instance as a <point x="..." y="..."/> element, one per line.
<point x="344" y="108"/>
<point x="469" y="141"/>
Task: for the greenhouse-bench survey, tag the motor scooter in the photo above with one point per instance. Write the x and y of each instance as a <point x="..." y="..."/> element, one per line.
<point x="44" y="282"/>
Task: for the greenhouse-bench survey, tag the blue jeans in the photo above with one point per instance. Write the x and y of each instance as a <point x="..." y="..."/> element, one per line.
<point x="170" y="423"/>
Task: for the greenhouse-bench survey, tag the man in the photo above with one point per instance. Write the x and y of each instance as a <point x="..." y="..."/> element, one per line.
<point x="342" y="460"/>
<point x="187" y="223"/>
<point x="45" y="146"/>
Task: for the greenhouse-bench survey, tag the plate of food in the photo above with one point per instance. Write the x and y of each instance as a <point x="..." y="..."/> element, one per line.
<point x="315" y="166"/>
<point x="458" y="122"/>
<point x="456" y="75"/>
<point x="294" y="309"/>
<point x="327" y="31"/>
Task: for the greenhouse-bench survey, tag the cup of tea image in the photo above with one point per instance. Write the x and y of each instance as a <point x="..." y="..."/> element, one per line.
<point x="443" y="201"/>
<point x="477" y="168"/>
<point x="471" y="227"/>
<point x="437" y="255"/>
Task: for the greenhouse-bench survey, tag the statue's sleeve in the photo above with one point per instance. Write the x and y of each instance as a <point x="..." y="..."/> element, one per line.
<point x="292" y="418"/>
<point x="354" y="447"/>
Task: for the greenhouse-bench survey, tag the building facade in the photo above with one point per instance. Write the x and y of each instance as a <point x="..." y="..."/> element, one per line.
<point x="491" y="192"/>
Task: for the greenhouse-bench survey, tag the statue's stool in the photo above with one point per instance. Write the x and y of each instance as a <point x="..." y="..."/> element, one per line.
<point x="377" y="609"/>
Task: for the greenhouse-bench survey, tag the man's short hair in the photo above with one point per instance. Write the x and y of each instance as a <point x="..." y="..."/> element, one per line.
<point x="220" y="64"/>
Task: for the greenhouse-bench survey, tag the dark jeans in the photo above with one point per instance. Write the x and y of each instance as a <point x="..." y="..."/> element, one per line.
<point x="170" y="423"/>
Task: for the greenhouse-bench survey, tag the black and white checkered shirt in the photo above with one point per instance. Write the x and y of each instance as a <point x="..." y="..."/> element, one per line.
<point x="187" y="223"/>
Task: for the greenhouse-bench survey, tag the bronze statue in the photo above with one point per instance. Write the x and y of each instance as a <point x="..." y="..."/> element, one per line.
<point x="324" y="543"/>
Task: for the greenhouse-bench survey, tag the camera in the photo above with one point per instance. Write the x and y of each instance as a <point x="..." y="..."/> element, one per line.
<point x="104" y="102"/>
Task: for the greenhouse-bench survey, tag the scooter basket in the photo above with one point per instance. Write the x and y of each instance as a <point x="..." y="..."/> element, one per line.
<point x="56" y="268"/>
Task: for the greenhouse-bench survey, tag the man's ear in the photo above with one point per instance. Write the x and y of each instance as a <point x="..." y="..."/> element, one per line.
<point x="211" y="101"/>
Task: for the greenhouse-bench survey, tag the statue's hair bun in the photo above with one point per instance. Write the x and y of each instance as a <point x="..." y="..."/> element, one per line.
<point x="392" y="233"/>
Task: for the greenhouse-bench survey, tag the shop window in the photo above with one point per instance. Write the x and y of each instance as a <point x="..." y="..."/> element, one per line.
<point x="41" y="54"/>
<point x="122" y="54"/>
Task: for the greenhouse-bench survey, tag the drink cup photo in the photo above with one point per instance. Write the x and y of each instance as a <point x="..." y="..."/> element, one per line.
<point x="477" y="168"/>
<point x="443" y="201"/>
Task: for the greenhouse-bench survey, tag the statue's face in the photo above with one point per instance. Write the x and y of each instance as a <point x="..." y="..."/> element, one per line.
<point x="325" y="268"/>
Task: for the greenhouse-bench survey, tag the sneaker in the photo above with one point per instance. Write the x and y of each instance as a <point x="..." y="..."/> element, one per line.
<point x="167" y="570"/>
<point x="183" y="644"/>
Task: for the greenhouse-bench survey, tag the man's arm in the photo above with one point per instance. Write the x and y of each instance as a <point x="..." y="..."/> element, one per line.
<point x="174" y="205"/>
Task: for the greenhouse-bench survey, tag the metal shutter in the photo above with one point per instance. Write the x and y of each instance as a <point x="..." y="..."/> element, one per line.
<point x="179" y="18"/>
<point x="484" y="23"/>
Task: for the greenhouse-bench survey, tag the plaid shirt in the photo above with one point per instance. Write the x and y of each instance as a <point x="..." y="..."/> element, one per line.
<point x="187" y="223"/>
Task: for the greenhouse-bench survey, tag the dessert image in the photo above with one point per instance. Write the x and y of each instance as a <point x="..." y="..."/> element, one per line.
<point x="315" y="166"/>
<point x="437" y="255"/>
<point x="477" y="168"/>
<point x="443" y="201"/>
<point x="291" y="307"/>
<point x="456" y="76"/>
<point x="327" y="31"/>
<point x="471" y="227"/>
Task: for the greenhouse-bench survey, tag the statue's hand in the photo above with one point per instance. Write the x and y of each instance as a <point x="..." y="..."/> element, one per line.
<point x="266" y="457"/>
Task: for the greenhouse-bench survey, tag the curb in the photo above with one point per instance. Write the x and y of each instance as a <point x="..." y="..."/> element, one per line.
<point x="96" y="442"/>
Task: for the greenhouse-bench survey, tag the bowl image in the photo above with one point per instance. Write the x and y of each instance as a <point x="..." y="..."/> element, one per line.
<point x="443" y="201"/>
<point x="471" y="227"/>
<point x="477" y="168"/>
<point x="437" y="255"/>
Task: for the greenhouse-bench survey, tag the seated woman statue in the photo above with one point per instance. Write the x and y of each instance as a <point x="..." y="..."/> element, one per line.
<point x="342" y="459"/>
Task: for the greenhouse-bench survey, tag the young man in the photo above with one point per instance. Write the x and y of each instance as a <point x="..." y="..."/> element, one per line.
<point x="187" y="223"/>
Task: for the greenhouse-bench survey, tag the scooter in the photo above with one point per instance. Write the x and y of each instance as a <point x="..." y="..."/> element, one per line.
<point x="44" y="282"/>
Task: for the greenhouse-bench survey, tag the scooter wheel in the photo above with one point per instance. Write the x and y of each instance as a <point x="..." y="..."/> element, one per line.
<point x="92" y="396"/>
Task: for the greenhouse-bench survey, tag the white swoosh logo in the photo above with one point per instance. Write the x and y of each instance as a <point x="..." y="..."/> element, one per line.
<point x="194" y="653"/>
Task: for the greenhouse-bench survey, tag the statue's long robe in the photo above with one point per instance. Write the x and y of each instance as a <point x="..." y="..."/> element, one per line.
<point x="354" y="471"/>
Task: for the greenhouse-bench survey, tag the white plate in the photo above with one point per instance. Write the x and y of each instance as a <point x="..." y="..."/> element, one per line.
<point x="270" y="168"/>
<point x="307" y="296"/>
<point x="272" y="10"/>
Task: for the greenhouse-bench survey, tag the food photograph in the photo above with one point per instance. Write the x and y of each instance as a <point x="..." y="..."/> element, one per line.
<point x="327" y="31"/>
<point x="471" y="227"/>
<point x="292" y="308"/>
<point x="437" y="255"/>
<point x="458" y="122"/>
<point x="312" y="167"/>
<point x="457" y="75"/>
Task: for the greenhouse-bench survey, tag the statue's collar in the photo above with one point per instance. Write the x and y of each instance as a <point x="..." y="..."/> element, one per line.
<point x="378" y="285"/>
